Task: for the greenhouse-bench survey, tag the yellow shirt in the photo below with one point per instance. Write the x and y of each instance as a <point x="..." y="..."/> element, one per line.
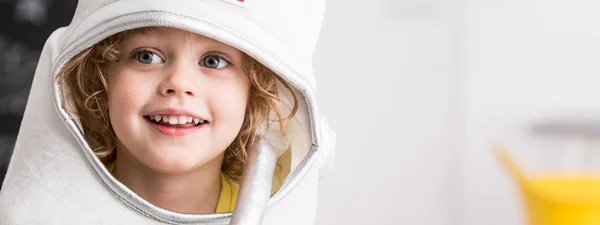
<point x="227" y="198"/>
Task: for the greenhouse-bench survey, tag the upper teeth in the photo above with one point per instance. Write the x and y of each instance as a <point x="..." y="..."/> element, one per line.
<point x="176" y="119"/>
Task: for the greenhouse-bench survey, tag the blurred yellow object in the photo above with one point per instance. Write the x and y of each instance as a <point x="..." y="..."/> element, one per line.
<point x="557" y="199"/>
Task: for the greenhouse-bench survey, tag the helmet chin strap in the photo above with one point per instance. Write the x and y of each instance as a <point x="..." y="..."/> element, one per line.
<point x="255" y="185"/>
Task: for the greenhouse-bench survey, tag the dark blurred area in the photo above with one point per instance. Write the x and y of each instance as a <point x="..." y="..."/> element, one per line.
<point x="24" y="28"/>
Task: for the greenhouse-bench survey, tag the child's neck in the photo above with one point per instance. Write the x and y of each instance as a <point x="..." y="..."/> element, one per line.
<point x="193" y="192"/>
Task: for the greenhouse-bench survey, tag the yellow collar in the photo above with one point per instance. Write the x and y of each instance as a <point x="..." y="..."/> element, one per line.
<point x="228" y="196"/>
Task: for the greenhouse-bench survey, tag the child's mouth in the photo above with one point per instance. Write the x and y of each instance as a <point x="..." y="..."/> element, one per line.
<point x="175" y="121"/>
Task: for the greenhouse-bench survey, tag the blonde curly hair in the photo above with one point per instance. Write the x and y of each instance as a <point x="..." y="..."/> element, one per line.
<point x="85" y="76"/>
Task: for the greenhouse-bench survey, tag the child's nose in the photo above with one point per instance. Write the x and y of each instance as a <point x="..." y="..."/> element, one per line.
<point x="175" y="91"/>
<point x="180" y="81"/>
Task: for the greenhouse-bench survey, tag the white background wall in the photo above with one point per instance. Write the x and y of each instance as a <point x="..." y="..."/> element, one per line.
<point x="419" y="90"/>
<point x="386" y="83"/>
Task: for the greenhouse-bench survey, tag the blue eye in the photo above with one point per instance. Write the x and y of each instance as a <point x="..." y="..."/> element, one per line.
<point x="148" y="57"/>
<point x="214" y="62"/>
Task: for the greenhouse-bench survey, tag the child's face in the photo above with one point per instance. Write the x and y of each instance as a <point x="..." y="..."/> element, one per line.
<point x="179" y="77"/>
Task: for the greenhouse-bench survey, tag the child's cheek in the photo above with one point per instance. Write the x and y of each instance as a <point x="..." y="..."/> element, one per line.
<point x="125" y="89"/>
<point x="235" y="95"/>
<point x="126" y="98"/>
<point x="227" y="102"/>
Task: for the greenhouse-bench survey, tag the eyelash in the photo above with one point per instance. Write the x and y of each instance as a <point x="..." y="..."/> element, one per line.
<point x="217" y="55"/>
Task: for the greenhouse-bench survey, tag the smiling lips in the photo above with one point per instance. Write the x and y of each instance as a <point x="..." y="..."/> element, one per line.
<point x="175" y="125"/>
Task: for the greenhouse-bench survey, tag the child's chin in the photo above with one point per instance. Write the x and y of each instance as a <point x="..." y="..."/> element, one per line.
<point x="179" y="159"/>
